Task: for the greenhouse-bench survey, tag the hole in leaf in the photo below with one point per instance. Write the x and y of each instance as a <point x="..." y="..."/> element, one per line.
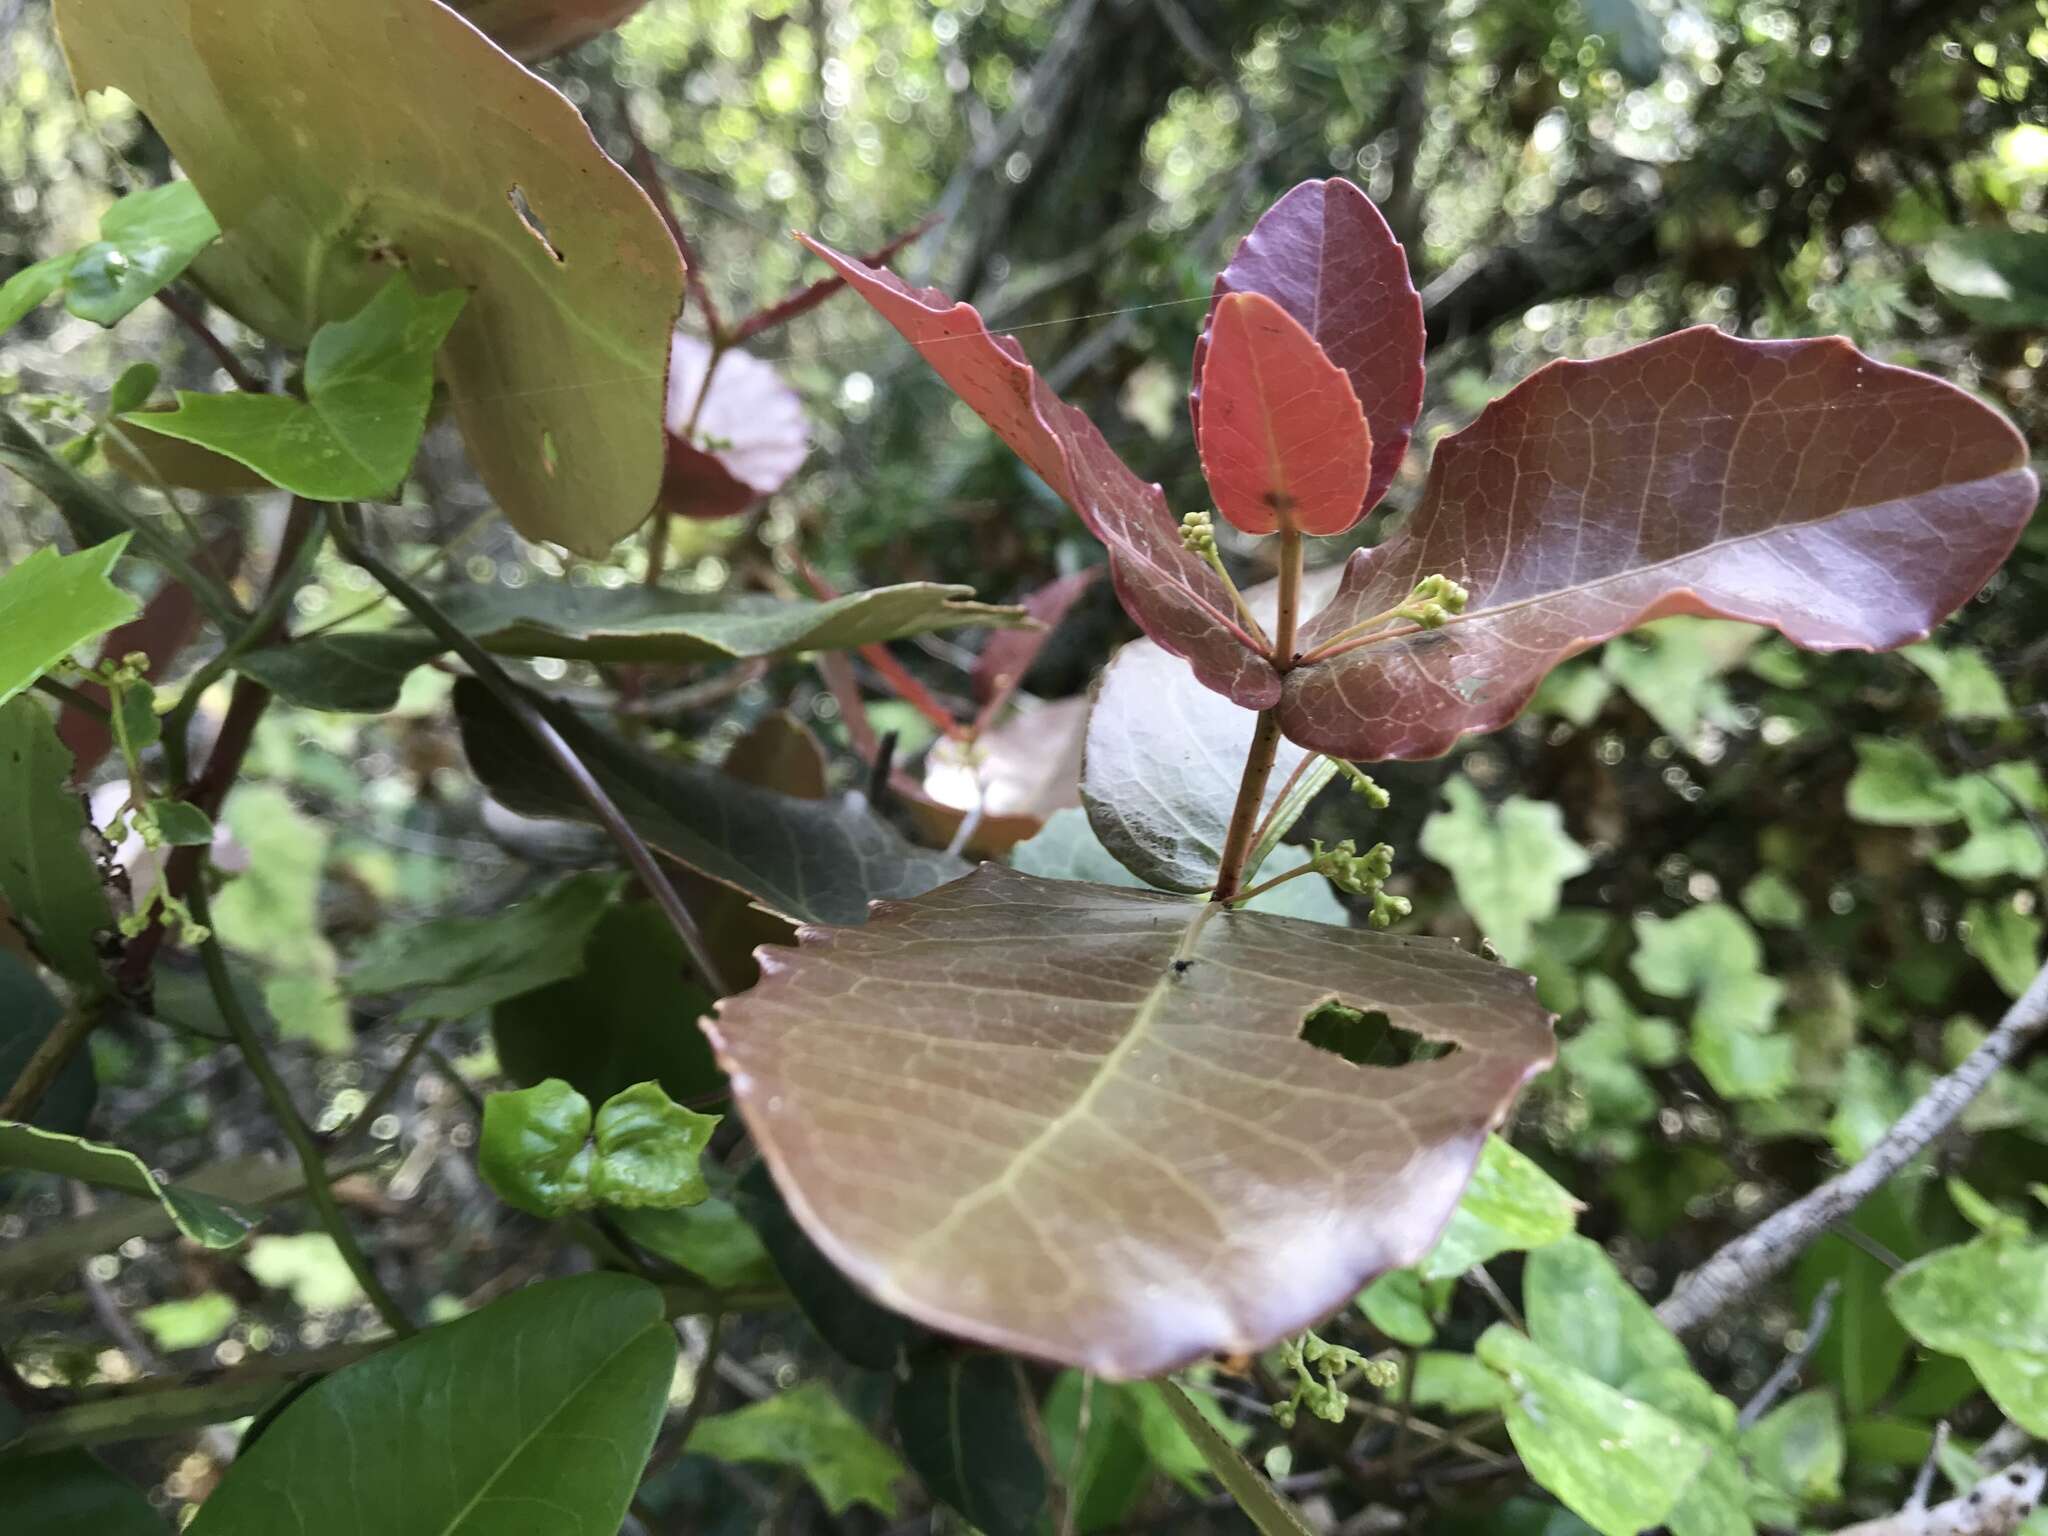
<point x="516" y="196"/>
<point x="1368" y="1039"/>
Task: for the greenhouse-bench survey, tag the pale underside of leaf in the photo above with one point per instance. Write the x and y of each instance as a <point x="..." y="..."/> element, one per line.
<point x="1005" y="1110"/>
<point x="1172" y="593"/>
<point x="460" y="167"/>
<point x="1849" y="504"/>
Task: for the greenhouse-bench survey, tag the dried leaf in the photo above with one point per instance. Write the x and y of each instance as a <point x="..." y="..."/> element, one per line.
<point x="1004" y="1109"/>
<point x="1283" y="440"/>
<point x="732" y="438"/>
<point x="1849" y="504"/>
<point x="459" y="167"/>
<point x="1172" y="593"/>
<point x="1324" y="254"/>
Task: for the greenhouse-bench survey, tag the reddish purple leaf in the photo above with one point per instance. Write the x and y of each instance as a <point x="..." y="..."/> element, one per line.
<point x="1080" y="1121"/>
<point x="1172" y="593"/>
<point x="1324" y="254"/>
<point x="743" y="441"/>
<point x="1283" y="441"/>
<point x="811" y="295"/>
<point x="1798" y="484"/>
<point x="1008" y="653"/>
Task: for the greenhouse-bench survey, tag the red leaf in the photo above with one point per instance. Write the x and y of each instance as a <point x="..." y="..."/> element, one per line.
<point x="744" y="441"/>
<point x="1324" y="254"/>
<point x="1283" y="440"/>
<point x="1798" y="484"/>
<point x="1008" y="653"/>
<point x="1173" y="595"/>
<point x="810" y="296"/>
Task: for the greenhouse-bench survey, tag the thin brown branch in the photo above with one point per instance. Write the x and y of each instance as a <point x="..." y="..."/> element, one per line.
<point x="189" y="317"/>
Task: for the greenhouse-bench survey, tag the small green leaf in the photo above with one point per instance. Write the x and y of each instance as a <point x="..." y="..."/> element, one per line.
<point x="1617" y="1463"/>
<point x="182" y="824"/>
<point x="1797" y="1451"/>
<point x="138" y="717"/>
<point x="710" y="1240"/>
<point x="542" y="1151"/>
<point x="2006" y="940"/>
<point x="1395" y="1304"/>
<point x="1986" y="1301"/>
<point x="1710" y="953"/>
<point x="807" y="1431"/>
<point x="357" y="674"/>
<point x="146" y="240"/>
<point x="131" y="391"/>
<point x="960" y="1418"/>
<point x="1456" y="1383"/>
<point x="1673" y="667"/>
<point x="368" y="382"/>
<point x="1970" y="690"/>
<point x="51" y="604"/>
<point x="1510" y="1206"/>
<point x="30" y="286"/>
<point x="457" y="966"/>
<point x="1899" y="784"/>
<point x="1997" y="277"/>
<point x="1983" y="1214"/>
<point x="207" y="1221"/>
<point x="1580" y="1307"/>
<point x="46" y="875"/>
<point x="271" y="914"/>
<point x="190" y="1323"/>
<point x="307" y="1264"/>
<point x="1510" y="864"/>
<point x="1772" y="901"/>
<point x="564" y="1383"/>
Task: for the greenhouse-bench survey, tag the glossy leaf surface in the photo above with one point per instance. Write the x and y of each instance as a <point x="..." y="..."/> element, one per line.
<point x="1798" y="484"/>
<point x="1172" y="593"/>
<point x="558" y="366"/>
<point x="576" y="1373"/>
<point x="542" y="1150"/>
<point x="734" y="436"/>
<point x="1986" y="1300"/>
<point x="146" y="239"/>
<point x="808" y="860"/>
<point x="1283" y="440"/>
<point x="48" y="879"/>
<point x="1324" y="254"/>
<point x="368" y="382"/>
<point x="539" y="29"/>
<point x="961" y="1419"/>
<point x="207" y="1221"/>
<point x="51" y="604"/>
<point x="1007" y="1112"/>
<point x="71" y="1493"/>
<point x="1511" y="1206"/>
<point x="352" y="673"/>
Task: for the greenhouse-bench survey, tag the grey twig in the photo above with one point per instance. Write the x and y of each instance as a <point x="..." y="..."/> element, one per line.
<point x="1788" y="1371"/>
<point x="1762" y="1252"/>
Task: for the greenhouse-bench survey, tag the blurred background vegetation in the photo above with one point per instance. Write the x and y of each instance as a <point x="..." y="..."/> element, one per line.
<point x="1771" y="894"/>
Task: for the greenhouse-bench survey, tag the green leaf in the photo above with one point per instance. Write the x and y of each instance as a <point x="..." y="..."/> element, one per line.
<point x="309" y="1265"/>
<point x="131" y="391"/>
<point x="1715" y="1502"/>
<point x="575" y="1376"/>
<point x="813" y="861"/>
<point x="1510" y="1206"/>
<point x="557" y="367"/>
<point x="457" y="966"/>
<point x="960" y="1418"/>
<point x="1710" y="953"/>
<point x="182" y="824"/>
<point x="27" y="1015"/>
<point x="1066" y="848"/>
<point x="271" y="913"/>
<point x="711" y="1240"/>
<point x="368" y="382"/>
<point x="628" y="1015"/>
<point x="358" y="674"/>
<point x="857" y="1327"/>
<point x="207" y="1221"/>
<point x="1797" y="1450"/>
<point x="70" y="1493"/>
<point x="1986" y="1301"/>
<point x="1899" y="784"/>
<point x="541" y="1150"/>
<point x="2000" y="843"/>
<point x="1970" y="690"/>
<point x="190" y="1323"/>
<point x="1997" y="277"/>
<point x="1673" y="667"/>
<point x="51" y="604"/>
<point x="146" y="240"/>
<point x="1510" y="864"/>
<point x="1617" y="1463"/>
<point x="807" y="1431"/>
<point x="1395" y="1304"/>
<point x="1105" y="1457"/>
<point x="30" y="286"/>
<point x="1772" y="901"/>
<point x="1456" y="1383"/>
<point x="1579" y="1307"/>
<point x="46" y="875"/>
<point x="2006" y="940"/>
<point x="1261" y="1502"/>
<point x="1576" y="691"/>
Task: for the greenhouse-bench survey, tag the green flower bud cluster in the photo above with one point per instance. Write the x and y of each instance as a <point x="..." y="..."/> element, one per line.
<point x="1361" y="874"/>
<point x="1198" y="533"/>
<point x="1433" y="602"/>
<point x="1364" y="786"/>
<point x="1318" y="1367"/>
